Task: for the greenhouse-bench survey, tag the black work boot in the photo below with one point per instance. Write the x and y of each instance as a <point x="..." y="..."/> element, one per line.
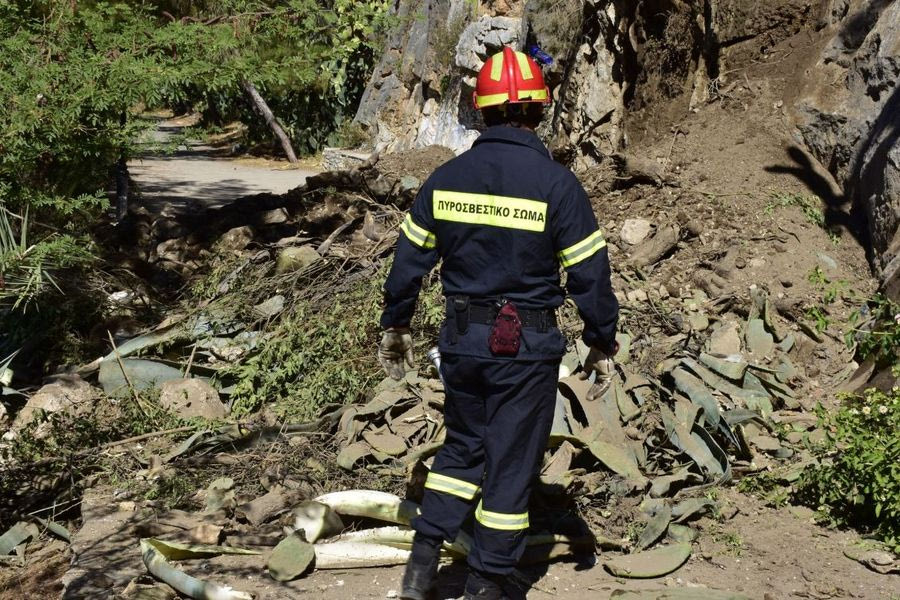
<point x="421" y="568"/>
<point x="483" y="586"/>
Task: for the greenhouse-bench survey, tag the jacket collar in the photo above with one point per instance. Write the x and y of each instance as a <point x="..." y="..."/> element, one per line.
<point x="512" y="135"/>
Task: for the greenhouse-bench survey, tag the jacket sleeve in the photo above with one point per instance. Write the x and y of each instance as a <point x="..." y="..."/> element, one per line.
<point x="581" y="250"/>
<point x="415" y="256"/>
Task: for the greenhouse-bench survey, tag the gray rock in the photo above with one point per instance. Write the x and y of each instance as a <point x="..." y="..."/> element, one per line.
<point x="635" y="231"/>
<point x="69" y="394"/>
<point x="486" y="36"/>
<point x="276" y="216"/>
<point x="826" y="261"/>
<point x="296" y="259"/>
<point x="269" y="308"/>
<point x="191" y="398"/>
<point x="343" y="159"/>
<point x="236" y="239"/>
<point x="408" y="183"/>
<point x="725" y="339"/>
<point x="171" y="250"/>
<point x="698" y="321"/>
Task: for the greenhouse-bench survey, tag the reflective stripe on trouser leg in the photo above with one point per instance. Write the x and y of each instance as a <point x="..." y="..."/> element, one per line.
<point x="502" y="521"/>
<point x="458" y="463"/>
<point x="451" y="485"/>
<point x="519" y="403"/>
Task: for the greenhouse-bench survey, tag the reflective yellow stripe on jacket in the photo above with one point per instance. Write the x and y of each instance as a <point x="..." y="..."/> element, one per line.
<point x="419" y="236"/>
<point x="452" y="486"/>
<point x="485" y="209"/>
<point x="586" y="248"/>
<point x="504" y="521"/>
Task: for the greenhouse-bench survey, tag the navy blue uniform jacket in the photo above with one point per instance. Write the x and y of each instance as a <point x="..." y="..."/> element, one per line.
<point x="503" y="217"/>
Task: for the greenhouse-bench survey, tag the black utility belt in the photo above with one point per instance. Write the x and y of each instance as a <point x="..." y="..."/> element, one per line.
<point x="465" y="312"/>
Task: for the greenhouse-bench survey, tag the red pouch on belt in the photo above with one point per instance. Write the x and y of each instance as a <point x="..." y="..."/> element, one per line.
<point x="506" y="333"/>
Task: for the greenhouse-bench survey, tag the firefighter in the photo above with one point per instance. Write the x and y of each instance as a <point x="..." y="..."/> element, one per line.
<point x="503" y="217"/>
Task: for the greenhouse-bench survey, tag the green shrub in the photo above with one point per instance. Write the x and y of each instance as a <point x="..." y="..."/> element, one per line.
<point x="879" y="335"/>
<point x="856" y="480"/>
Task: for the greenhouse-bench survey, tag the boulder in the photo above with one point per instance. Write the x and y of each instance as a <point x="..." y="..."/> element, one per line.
<point x="485" y="37"/>
<point x="296" y="258"/>
<point x="68" y="393"/>
<point x="635" y="231"/>
<point x="191" y="398"/>
<point x="236" y="239"/>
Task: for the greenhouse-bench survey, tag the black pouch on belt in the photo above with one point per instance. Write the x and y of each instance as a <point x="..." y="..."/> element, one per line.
<point x="506" y="332"/>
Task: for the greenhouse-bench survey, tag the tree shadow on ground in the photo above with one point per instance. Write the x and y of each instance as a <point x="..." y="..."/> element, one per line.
<point x="839" y="212"/>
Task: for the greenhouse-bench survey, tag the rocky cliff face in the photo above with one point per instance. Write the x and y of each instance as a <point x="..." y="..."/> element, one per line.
<point x="849" y="117"/>
<point x="624" y="70"/>
<point x="421" y="91"/>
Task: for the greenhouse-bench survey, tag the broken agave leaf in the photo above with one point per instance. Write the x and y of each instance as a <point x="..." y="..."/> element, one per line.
<point x="691" y="507"/>
<point x="713" y="380"/>
<point x="220" y="495"/>
<point x="184" y="446"/>
<point x="624" y="353"/>
<point x="691" y="445"/>
<point x="54" y="528"/>
<point x="693" y="593"/>
<point x="318" y="521"/>
<point x="179" y="551"/>
<point x="386" y="442"/>
<point x="732" y="367"/>
<point x="769" y="312"/>
<point x="875" y="558"/>
<point x="787" y="344"/>
<point x="759" y="341"/>
<point x="786" y="370"/>
<point x="662" y="486"/>
<point x="560" y="420"/>
<point x="381" y="403"/>
<point x="372" y="504"/>
<point x="291" y="558"/>
<point x="699" y="394"/>
<point x="614" y="456"/>
<point x="627" y="408"/>
<point x="650" y="563"/>
<point x="142" y="374"/>
<point x="19" y="533"/>
<point x="156" y="563"/>
<point x="656" y="527"/>
<point x="681" y="533"/>
<point x="158" y="336"/>
<point x="350" y="455"/>
<point x="558" y="464"/>
<point x="776" y="388"/>
<point x="354" y="555"/>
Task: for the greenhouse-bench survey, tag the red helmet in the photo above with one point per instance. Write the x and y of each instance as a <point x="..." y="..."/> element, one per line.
<point x="510" y="77"/>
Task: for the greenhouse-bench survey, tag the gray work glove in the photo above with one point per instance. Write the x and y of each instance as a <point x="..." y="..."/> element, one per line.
<point x="604" y="366"/>
<point x="395" y="348"/>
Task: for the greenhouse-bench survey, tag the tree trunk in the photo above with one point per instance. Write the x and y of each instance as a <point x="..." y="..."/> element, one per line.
<point x="121" y="176"/>
<point x="121" y="188"/>
<point x="260" y="104"/>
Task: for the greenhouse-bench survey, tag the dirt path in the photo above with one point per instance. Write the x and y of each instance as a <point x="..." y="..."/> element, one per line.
<point x="199" y="174"/>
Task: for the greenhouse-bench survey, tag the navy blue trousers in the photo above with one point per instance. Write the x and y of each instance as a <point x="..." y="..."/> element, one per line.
<point x="498" y="415"/>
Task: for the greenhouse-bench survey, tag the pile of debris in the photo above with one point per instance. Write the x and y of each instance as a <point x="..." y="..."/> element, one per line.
<point x="710" y="386"/>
